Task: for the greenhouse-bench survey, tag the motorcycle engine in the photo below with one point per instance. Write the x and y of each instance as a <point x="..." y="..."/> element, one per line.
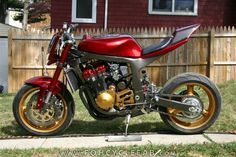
<point x="110" y="84"/>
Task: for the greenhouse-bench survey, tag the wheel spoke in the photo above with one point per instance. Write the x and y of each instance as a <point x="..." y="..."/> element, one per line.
<point x="205" y="113"/>
<point x="190" y="89"/>
<point x="174" y="111"/>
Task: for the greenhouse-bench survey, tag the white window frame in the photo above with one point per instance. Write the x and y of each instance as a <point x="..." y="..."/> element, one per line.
<point x="172" y="12"/>
<point x="84" y="20"/>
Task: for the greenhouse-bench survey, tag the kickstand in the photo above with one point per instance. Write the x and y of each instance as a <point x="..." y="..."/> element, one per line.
<point x="128" y="117"/>
<point x="125" y="137"/>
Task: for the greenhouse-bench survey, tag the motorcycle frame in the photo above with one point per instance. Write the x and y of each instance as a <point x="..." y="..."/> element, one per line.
<point x="181" y="36"/>
<point x="135" y="64"/>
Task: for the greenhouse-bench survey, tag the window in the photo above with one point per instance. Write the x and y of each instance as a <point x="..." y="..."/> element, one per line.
<point x="84" y="11"/>
<point x="173" y="7"/>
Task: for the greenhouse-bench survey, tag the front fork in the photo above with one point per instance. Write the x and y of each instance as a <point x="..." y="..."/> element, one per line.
<point x="50" y="89"/>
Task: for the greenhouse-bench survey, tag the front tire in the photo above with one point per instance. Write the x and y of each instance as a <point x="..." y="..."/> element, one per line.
<point x="53" y="121"/>
<point x="199" y="90"/>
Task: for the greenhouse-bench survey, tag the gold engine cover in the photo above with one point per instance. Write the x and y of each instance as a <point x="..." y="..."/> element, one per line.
<point x="106" y="99"/>
<point x="124" y="97"/>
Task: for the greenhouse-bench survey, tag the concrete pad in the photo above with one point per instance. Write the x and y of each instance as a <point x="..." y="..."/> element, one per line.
<point x="222" y="138"/>
<point x="96" y="142"/>
<point x="167" y="139"/>
<point x="99" y="141"/>
<point x="83" y="142"/>
<point x="72" y="142"/>
<point x="21" y="143"/>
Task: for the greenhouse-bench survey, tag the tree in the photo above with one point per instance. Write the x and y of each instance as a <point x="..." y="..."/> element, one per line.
<point x="25" y="14"/>
<point x="5" y="4"/>
<point x="36" y="11"/>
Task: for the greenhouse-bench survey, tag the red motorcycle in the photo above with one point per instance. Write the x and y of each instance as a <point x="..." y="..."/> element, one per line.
<point x="108" y="72"/>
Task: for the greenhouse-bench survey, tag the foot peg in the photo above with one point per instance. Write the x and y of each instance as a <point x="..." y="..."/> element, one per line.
<point x="126" y="137"/>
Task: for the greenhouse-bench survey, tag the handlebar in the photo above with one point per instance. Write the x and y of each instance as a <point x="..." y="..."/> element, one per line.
<point x="67" y="34"/>
<point x="71" y="28"/>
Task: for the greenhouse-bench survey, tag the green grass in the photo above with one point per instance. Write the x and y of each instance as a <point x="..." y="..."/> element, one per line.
<point x="204" y="150"/>
<point x="84" y="124"/>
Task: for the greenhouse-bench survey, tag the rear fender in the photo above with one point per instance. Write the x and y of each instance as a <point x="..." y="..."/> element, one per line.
<point x="180" y="37"/>
<point x="184" y="33"/>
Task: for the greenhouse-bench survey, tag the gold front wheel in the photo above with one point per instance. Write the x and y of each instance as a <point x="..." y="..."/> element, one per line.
<point x="196" y="90"/>
<point x="52" y="119"/>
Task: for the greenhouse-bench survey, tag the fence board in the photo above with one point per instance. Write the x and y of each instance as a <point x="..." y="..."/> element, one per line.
<point x="210" y="51"/>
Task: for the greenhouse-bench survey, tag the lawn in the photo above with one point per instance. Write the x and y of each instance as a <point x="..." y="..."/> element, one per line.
<point x="84" y="124"/>
<point x="196" y="150"/>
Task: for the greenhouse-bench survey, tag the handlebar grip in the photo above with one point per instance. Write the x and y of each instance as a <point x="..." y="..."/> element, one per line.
<point x="73" y="27"/>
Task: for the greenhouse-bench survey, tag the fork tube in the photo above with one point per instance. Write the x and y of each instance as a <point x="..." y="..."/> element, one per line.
<point x="59" y="68"/>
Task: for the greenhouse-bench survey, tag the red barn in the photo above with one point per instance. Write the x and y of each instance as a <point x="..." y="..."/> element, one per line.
<point x="143" y="13"/>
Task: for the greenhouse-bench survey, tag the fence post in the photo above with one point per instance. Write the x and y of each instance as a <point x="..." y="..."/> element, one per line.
<point x="10" y="61"/>
<point x="210" y="58"/>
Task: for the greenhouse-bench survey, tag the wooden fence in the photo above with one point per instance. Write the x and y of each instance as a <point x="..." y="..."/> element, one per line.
<point x="210" y="51"/>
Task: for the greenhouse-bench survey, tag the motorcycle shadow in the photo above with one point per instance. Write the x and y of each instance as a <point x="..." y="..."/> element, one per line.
<point x="116" y="126"/>
<point x="13" y="130"/>
<point x="95" y="127"/>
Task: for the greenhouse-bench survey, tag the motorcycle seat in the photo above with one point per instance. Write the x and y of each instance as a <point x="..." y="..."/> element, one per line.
<point x="153" y="48"/>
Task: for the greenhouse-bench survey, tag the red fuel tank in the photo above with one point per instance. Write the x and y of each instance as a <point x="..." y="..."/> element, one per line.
<point x="111" y="45"/>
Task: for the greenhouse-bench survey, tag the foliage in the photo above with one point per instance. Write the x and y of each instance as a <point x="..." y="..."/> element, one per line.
<point x="5" y="4"/>
<point x="37" y="11"/>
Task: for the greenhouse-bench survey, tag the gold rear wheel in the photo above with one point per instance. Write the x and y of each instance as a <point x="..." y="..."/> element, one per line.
<point x="199" y="91"/>
<point x="203" y="99"/>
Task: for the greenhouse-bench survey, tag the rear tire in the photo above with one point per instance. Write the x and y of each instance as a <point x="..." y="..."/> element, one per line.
<point x="34" y="122"/>
<point x="209" y="99"/>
